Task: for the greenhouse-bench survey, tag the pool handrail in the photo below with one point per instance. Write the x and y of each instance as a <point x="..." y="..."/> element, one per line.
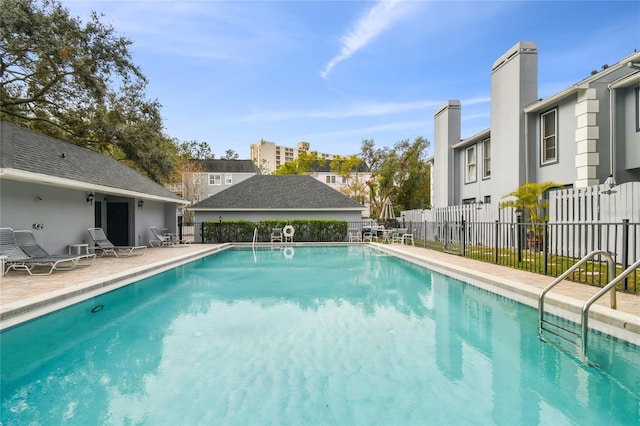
<point x="611" y="271"/>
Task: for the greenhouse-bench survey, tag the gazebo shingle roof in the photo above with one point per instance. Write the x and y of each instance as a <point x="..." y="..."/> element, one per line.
<point x="290" y="192"/>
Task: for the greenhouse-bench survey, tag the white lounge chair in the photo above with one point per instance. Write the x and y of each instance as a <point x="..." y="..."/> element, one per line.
<point x="18" y="260"/>
<point x="164" y="239"/>
<point x="28" y="244"/>
<point x="104" y="246"/>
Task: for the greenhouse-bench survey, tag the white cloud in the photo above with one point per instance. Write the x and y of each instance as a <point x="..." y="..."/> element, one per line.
<point x="379" y="18"/>
<point x="364" y="109"/>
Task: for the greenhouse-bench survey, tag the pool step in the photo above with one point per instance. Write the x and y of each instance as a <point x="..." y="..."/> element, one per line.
<point x="564" y="334"/>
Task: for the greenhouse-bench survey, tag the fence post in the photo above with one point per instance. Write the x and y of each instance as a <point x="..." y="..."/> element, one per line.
<point x="519" y="236"/>
<point x="179" y="228"/>
<point x="464" y="236"/>
<point x="625" y="250"/>
<point x="424" y="240"/>
<point x="202" y="232"/>
<point x="545" y="251"/>
<point x="496" y="241"/>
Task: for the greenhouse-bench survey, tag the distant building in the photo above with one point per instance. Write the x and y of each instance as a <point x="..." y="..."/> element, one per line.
<point x="268" y="156"/>
<point x="208" y="177"/>
<point x="354" y="186"/>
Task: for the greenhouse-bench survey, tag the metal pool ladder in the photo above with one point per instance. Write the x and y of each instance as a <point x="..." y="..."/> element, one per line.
<point x="564" y="332"/>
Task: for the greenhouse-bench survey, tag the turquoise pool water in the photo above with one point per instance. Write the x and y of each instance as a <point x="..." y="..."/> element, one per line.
<point x="311" y="335"/>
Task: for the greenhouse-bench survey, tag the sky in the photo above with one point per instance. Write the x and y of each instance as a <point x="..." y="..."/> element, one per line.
<point x="334" y="73"/>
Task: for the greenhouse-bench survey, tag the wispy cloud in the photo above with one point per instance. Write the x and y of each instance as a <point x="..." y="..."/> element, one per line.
<point x="370" y="130"/>
<point x="363" y="109"/>
<point x="380" y="17"/>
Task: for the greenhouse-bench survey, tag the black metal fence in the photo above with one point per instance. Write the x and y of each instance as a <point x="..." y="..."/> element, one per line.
<point x="544" y="248"/>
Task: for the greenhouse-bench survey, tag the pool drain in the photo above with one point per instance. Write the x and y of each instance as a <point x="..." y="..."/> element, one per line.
<point x="97" y="308"/>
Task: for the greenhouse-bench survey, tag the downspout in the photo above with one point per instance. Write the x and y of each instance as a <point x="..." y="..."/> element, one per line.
<point x="612" y="131"/>
<point x="526" y="147"/>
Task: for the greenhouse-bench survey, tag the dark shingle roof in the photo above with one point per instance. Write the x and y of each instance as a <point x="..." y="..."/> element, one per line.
<point x="227" y="166"/>
<point x="291" y="192"/>
<point x="27" y="151"/>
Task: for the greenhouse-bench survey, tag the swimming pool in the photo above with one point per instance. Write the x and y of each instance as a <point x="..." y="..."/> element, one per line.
<point x="306" y="335"/>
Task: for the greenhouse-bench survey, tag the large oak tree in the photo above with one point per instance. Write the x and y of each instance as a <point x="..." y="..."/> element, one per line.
<point x="77" y="82"/>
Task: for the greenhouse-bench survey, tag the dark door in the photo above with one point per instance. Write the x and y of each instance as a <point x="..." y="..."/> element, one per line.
<point x="118" y="223"/>
<point x="97" y="215"/>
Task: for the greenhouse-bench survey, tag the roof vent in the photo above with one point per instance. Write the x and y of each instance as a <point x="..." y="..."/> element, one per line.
<point x="63" y="155"/>
<point x="605" y="66"/>
<point x="594" y="72"/>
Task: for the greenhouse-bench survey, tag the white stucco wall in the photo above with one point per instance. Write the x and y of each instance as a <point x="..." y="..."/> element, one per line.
<point x="66" y="214"/>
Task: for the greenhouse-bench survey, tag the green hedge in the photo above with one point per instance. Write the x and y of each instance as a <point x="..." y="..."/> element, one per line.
<point x="310" y="230"/>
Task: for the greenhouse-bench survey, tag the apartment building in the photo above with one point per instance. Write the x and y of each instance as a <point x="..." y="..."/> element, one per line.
<point x="268" y="156"/>
<point x="581" y="136"/>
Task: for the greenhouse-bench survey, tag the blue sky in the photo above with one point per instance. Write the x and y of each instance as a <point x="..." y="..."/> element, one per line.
<point x="333" y="73"/>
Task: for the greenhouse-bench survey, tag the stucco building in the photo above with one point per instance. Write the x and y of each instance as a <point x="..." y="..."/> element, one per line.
<point x="581" y="136"/>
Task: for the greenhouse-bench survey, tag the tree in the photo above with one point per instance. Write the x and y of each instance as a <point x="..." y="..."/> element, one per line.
<point x="413" y="178"/>
<point x="191" y="183"/>
<point x="194" y="150"/>
<point x="399" y="174"/>
<point x="78" y="82"/>
<point x="350" y="168"/>
<point x="529" y="198"/>
<point x="307" y="163"/>
<point x="230" y="154"/>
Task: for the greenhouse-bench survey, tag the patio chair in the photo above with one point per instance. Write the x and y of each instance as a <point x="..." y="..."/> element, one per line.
<point x="164" y="239"/>
<point x="396" y="235"/>
<point x="406" y="237"/>
<point x="276" y="235"/>
<point x="27" y="243"/>
<point x="355" y="236"/>
<point x="18" y="260"/>
<point x="104" y="246"/>
<point x="369" y="235"/>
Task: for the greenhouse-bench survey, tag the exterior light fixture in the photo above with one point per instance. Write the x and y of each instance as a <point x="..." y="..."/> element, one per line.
<point x="90" y="198"/>
<point x="141" y="204"/>
<point x="609" y="184"/>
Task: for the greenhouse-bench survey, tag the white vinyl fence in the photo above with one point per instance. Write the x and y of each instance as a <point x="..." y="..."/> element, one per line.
<point x="580" y="220"/>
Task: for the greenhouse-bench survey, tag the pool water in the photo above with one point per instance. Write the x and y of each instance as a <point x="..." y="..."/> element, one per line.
<point x="307" y="335"/>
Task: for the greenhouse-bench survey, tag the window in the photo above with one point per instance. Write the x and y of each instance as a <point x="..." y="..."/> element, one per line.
<point x="487" y="199"/>
<point x="549" y="141"/>
<point x="344" y="180"/>
<point x="228" y="179"/>
<point x="215" y="179"/>
<point x="330" y="179"/>
<point x="468" y="201"/>
<point x="486" y="158"/>
<point x="470" y="161"/>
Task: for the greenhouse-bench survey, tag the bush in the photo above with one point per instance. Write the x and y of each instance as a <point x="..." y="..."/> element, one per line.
<point x="307" y="230"/>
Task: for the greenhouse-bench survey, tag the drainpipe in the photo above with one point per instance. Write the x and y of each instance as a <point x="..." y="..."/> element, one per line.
<point x="612" y="131"/>
<point x="526" y="147"/>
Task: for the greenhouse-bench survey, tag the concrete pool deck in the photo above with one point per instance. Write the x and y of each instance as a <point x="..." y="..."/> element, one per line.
<point x="23" y="296"/>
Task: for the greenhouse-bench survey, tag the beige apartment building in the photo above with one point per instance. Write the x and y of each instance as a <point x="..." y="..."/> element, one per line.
<point x="268" y="156"/>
